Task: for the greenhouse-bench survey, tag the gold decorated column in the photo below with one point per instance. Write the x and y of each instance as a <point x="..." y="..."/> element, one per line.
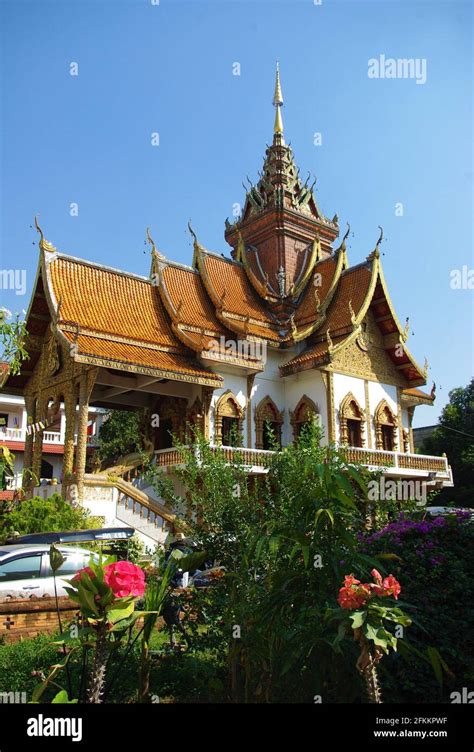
<point x="29" y="439"/>
<point x="250" y="382"/>
<point x="68" y="457"/>
<point x="85" y="387"/>
<point x="38" y="429"/>
<point x="207" y="393"/>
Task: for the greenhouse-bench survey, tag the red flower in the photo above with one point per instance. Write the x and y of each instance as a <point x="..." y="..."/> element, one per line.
<point x="86" y="570"/>
<point x="124" y="579"/>
<point x="353" y="594"/>
<point x="392" y="586"/>
<point x="386" y="587"/>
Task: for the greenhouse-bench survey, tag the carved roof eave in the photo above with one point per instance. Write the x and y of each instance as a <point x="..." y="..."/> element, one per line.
<point x="341" y="264"/>
<point x="213" y="380"/>
<point x="238" y="326"/>
<point x="410" y="400"/>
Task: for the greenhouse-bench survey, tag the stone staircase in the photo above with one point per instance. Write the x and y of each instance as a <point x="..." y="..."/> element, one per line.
<point x="141" y="511"/>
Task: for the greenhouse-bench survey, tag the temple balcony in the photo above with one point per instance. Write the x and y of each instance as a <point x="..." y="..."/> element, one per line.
<point x="435" y="470"/>
<point x="49" y="437"/>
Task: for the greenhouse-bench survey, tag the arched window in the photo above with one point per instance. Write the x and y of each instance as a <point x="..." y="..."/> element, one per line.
<point x="385" y="427"/>
<point x="304" y="411"/>
<point x="351" y="422"/>
<point x="229" y="418"/>
<point x="268" y="424"/>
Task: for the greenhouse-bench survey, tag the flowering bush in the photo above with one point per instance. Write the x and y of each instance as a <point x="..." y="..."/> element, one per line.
<point x="435" y="558"/>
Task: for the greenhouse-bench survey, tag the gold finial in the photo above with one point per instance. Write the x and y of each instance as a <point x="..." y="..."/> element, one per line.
<point x="376" y="252"/>
<point x="426" y="366"/>
<point x="380" y="236"/>
<point x="406" y="330"/>
<point x="193" y="234"/>
<point x="154" y="251"/>
<point x="43" y="243"/>
<point x="277" y="102"/>
<point x="150" y="240"/>
<point x="39" y="229"/>
<point x="329" y="340"/>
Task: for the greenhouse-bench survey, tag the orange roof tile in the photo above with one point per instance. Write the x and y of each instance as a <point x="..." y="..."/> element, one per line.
<point x="184" y="286"/>
<point x="107" y="301"/>
<point x="240" y="297"/>
<point x="306" y="312"/>
<point x="353" y="287"/>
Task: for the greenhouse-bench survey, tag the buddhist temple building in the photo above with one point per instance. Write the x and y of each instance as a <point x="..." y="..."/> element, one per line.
<point x="280" y="329"/>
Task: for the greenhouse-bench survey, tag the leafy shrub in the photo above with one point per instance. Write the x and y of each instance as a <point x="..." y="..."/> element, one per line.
<point x="39" y="515"/>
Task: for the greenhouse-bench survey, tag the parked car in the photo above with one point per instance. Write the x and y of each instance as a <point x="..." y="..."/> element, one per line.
<point x="444" y="511"/>
<point x="25" y="569"/>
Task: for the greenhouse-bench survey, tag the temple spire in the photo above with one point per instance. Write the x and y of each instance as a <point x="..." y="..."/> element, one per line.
<point x="277" y="102"/>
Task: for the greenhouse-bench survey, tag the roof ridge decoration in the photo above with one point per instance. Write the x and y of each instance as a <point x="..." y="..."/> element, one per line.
<point x="262" y="288"/>
<point x="299" y="285"/>
<point x="44" y="244"/>
<point x="156" y="256"/>
<point x="322" y="306"/>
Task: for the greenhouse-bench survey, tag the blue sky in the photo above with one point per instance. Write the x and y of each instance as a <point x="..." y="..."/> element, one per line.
<point x="168" y="69"/>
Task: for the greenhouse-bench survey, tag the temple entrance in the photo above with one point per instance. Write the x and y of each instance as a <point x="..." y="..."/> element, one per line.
<point x="163" y="434"/>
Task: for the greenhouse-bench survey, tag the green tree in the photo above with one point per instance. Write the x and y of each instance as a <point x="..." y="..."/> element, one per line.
<point x="39" y="515"/>
<point x="455" y="436"/>
<point x="120" y="434"/>
<point x="12" y="339"/>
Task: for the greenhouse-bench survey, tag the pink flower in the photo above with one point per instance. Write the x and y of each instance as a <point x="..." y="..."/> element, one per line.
<point x="124" y="579"/>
